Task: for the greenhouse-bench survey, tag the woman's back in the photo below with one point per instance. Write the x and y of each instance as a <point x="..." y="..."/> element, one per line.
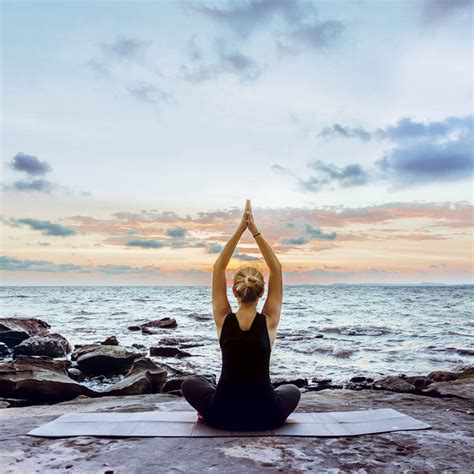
<point x="244" y="397"/>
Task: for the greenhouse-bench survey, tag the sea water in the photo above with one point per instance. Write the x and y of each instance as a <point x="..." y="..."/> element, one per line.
<point x="325" y="331"/>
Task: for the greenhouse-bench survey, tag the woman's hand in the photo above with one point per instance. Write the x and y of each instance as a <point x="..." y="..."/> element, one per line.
<point x="243" y="222"/>
<point x="250" y="220"/>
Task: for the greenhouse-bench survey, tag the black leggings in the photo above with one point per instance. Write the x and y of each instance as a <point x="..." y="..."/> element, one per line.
<point x="199" y="393"/>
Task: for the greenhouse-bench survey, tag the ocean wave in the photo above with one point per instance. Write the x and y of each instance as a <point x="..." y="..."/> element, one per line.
<point x="357" y="330"/>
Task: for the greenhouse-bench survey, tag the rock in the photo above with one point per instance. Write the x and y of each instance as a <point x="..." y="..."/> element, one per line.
<point x="139" y="346"/>
<point x="97" y="359"/>
<point x="299" y="382"/>
<point x="134" y="328"/>
<point x="49" y="345"/>
<point x="442" y="376"/>
<point x="461" y="387"/>
<point x="444" y="448"/>
<point x="161" y="323"/>
<point x="178" y="393"/>
<point x="169" y="341"/>
<point x="419" y="383"/>
<point x="395" y="384"/>
<point x="4" y="349"/>
<point x="167" y="351"/>
<point x="110" y="341"/>
<point x="15" y="330"/>
<point x="39" y="380"/>
<point x="76" y="374"/>
<point x="143" y="377"/>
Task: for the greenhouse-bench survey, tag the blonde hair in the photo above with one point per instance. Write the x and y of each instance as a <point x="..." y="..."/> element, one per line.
<point x="248" y="283"/>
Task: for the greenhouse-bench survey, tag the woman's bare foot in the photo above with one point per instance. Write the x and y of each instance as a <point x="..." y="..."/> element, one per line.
<point x="200" y="417"/>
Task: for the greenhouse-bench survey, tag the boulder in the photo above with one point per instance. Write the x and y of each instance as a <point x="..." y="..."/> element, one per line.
<point x="143" y="377"/>
<point x="15" y="330"/>
<point x="134" y="328"/>
<point x="39" y="380"/>
<point x="110" y="341"/>
<point x="168" y="351"/>
<point x="49" y="345"/>
<point x="97" y="359"/>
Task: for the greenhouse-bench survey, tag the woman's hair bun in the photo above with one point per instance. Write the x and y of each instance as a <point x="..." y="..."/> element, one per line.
<point x="251" y="280"/>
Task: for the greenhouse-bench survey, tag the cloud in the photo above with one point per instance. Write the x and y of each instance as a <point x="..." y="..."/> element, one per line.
<point x="29" y="164"/>
<point x="150" y="94"/>
<point x="126" y="48"/>
<point x="19" y="265"/>
<point x="145" y="244"/>
<point x="434" y="11"/>
<point x="46" y="227"/>
<point x="225" y="60"/>
<point x="328" y="174"/>
<point x="347" y="132"/>
<point x="299" y="25"/>
<point x="176" y="232"/>
<point x="39" y="185"/>
<point x="295" y="241"/>
<point x="422" y="152"/>
<point x="312" y="233"/>
<point x="317" y="234"/>
<point x="215" y="248"/>
<point x="245" y="257"/>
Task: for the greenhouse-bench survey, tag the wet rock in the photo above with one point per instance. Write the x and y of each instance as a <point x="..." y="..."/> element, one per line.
<point x="178" y="393"/>
<point x="76" y="374"/>
<point x="4" y="349"/>
<point x="144" y="376"/>
<point x="168" y="351"/>
<point x="189" y="345"/>
<point x="15" y="330"/>
<point x="134" y="328"/>
<point x="299" y="382"/>
<point x="49" y="345"/>
<point x="169" y="341"/>
<point x="39" y="380"/>
<point x="139" y="346"/>
<point x="161" y="323"/>
<point x="110" y="341"/>
<point x="461" y="387"/>
<point x="97" y="359"/>
<point x="200" y="317"/>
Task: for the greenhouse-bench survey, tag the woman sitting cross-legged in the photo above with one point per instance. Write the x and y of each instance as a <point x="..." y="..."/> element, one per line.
<point x="244" y="398"/>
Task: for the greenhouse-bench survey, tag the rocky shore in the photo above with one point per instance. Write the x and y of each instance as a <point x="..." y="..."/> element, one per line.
<point x="41" y="367"/>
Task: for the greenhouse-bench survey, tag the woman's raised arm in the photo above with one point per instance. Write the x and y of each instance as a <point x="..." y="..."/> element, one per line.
<point x="272" y="306"/>
<point x="220" y="302"/>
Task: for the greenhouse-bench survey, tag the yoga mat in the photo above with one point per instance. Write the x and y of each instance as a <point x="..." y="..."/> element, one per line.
<point x="185" y="424"/>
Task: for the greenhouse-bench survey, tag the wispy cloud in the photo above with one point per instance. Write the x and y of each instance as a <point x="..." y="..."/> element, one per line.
<point x="25" y="265"/>
<point x="436" y="11"/>
<point x="328" y="174"/>
<point x="225" y="60"/>
<point x="297" y="23"/>
<point x="46" y="227"/>
<point x="145" y="244"/>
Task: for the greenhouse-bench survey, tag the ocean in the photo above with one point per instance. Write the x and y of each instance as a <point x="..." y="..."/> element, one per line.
<point x="325" y="331"/>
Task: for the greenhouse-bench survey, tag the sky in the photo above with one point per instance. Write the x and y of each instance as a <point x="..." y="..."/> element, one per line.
<point x="133" y="132"/>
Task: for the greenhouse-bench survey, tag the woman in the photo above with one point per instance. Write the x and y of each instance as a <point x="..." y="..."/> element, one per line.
<point x="244" y="398"/>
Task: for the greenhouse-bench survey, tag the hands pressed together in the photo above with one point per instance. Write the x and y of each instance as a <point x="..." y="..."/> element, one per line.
<point x="248" y="221"/>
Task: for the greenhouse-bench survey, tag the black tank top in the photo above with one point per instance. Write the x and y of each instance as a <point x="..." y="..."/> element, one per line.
<point x="244" y="398"/>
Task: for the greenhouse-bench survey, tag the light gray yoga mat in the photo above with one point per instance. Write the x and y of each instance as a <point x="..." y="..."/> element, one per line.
<point x="185" y="424"/>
